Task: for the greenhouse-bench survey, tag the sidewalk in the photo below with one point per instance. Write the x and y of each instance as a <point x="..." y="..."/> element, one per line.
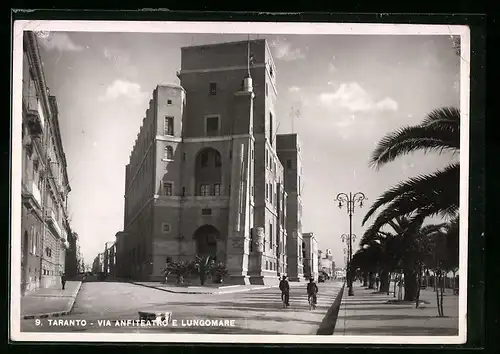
<point x="52" y="302"/>
<point x="210" y="289"/>
<point x="369" y="313"/>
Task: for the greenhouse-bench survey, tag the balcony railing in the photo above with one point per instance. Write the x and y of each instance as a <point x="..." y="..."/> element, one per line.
<point x="34" y="115"/>
<point x="31" y="194"/>
<point x="50" y="217"/>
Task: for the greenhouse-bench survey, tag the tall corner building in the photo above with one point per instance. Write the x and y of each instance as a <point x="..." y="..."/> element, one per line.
<point x="206" y="176"/>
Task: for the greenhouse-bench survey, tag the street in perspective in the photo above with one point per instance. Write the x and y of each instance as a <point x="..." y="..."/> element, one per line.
<point x="215" y="184"/>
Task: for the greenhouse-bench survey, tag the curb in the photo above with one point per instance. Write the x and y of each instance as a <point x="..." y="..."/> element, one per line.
<point x="327" y="326"/>
<point x="58" y="313"/>
<point x="204" y="292"/>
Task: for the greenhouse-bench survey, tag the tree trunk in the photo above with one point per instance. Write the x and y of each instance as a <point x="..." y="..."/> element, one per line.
<point x="395" y="284"/>
<point x="202" y="279"/>
<point x="384" y="281"/>
<point x="371" y="281"/>
<point x="419" y="286"/>
<point x="410" y="285"/>
<point x="442" y="294"/>
<point x="437" y="298"/>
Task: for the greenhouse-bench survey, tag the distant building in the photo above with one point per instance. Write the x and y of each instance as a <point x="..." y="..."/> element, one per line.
<point x="326" y="263"/>
<point x="311" y="255"/>
<point x="72" y="256"/>
<point x="209" y="176"/>
<point x="44" y="180"/>
<point x="109" y="258"/>
<point x="98" y="263"/>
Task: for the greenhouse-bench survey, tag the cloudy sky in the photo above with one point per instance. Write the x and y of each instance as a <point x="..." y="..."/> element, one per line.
<point x="345" y="92"/>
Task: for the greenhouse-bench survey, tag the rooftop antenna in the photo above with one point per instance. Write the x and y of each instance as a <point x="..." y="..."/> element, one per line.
<point x="248" y="55"/>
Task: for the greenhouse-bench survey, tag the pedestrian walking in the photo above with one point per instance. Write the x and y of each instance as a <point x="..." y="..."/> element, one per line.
<point x="63" y="280"/>
<point x="377" y="281"/>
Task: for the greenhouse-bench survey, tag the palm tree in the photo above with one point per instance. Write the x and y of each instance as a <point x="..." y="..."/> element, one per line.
<point x="425" y="195"/>
<point x="399" y="250"/>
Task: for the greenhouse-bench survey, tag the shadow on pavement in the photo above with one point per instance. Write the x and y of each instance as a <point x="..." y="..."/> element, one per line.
<point x="406" y="331"/>
<point x="373" y="308"/>
<point x="386" y="317"/>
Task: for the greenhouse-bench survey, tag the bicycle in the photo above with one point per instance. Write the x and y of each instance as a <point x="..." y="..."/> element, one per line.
<point x="283" y="299"/>
<point x="312" y="302"/>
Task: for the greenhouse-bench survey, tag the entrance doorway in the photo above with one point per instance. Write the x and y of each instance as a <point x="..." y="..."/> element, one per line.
<point x="206" y="238"/>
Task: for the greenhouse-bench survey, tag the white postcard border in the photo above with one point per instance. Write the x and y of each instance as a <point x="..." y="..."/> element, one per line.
<point x="234" y="28"/>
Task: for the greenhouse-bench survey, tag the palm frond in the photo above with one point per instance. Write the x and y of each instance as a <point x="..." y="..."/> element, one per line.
<point x="445" y="114"/>
<point x="440" y="131"/>
<point x="417" y="189"/>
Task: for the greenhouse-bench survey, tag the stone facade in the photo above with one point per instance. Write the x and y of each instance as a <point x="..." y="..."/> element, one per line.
<point x="311" y="256"/>
<point x="288" y="151"/>
<point x="204" y="176"/>
<point x="45" y="185"/>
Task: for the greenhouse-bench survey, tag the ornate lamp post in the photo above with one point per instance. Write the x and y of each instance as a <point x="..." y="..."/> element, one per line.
<point x="350" y="201"/>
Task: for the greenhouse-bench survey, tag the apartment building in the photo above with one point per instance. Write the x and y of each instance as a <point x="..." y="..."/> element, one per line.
<point x="310" y="247"/>
<point x="45" y="185"/>
<point x="204" y="176"/>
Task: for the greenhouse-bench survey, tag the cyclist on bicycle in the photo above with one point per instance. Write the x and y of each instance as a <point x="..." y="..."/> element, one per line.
<point x="285" y="290"/>
<point x="312" y="291"/>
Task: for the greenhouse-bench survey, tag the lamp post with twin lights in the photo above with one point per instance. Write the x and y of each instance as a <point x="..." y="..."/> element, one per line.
<point x="350" y="201"/>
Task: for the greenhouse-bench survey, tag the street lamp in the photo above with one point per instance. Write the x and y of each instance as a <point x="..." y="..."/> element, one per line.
<point x="345" y="239"/>
<point x="350" y="201"/>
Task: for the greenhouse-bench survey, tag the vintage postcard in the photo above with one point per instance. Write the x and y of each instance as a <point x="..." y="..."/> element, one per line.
<point x="239" y="182"/>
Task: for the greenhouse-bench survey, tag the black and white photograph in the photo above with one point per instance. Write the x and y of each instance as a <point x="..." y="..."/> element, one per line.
<point x="239" y="182"/>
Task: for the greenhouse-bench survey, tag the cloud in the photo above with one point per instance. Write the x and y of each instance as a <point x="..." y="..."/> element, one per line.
<point x="294" y="89"/>
<point x="120" y="59"/>
<point x="58" y="41"/>
<point x="353" y="97"/>
<point x="284" y="51"/>
<point x="331" y="68"/>
<point x="125" y="89"/>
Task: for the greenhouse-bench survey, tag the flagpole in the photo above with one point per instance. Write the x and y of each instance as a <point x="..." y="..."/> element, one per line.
<point x="248" y="55"/>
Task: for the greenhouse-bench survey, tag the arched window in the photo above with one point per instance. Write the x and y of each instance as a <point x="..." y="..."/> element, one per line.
<point x="169" y="153"/>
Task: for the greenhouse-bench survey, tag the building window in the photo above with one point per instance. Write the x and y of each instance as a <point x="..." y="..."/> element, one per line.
<point x="217" y="160"/>
<point x="271" y="127"/>
<point x="267" y="265"/>
<point x="169" y="126"/>
<point x="217" y="189"/>
<point x="206" y="212"/>
<point x="267" y="89"/>
<point x="204" y="189"/>
<point x="213" y="89"/>
<point x="288" y="163"/>
<point x="167" y="188"/>
<point x="266" y="158"/>
<point x="271" y="192"/>
<point x="165" y="228"/>
<point x="267" y="191"/>
<point x="204" y="159"/>
<point x="250" y="248"/>
<point x="271" y="235"/>
<point x="169" y="153"/>
<point x="169" y="101"/>
<point x="212" y="126"/>
<point x="252" y="154"/>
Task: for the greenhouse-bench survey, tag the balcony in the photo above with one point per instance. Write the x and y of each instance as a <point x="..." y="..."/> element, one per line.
<point x="51" y="219"/>
<point x="31" y="195"/>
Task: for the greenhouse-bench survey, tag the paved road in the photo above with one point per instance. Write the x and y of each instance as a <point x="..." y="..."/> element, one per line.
<point x="253" y="312"/>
